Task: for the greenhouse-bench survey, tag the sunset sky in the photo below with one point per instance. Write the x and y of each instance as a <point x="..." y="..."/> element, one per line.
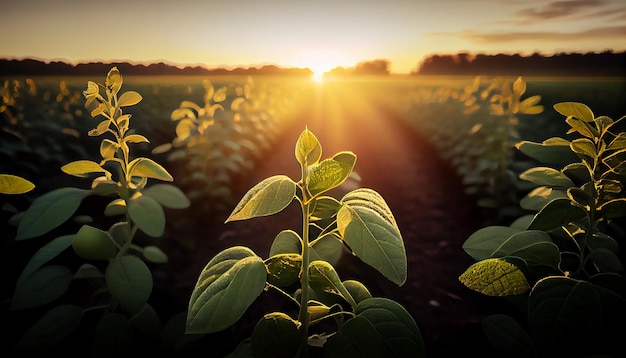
<point x="317" y="34"/>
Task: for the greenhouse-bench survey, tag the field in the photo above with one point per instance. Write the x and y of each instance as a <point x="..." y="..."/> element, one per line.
<point x="441" y="151"/>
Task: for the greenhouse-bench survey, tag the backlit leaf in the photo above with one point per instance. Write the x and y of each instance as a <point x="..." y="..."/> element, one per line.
<point x="330" y="173"/>
<point x="13" y="184"/>
<point x="576" y="110"/>
<point x="81" y="168"/>
<point x="146" y="167"/>
<point x="495" y="277"/>
<point x="226" y="287"/>
<point x="546" y="176"/>
<point x="268" y="197"/>
<point x="308" y="149"/>
<point x="554" y="151"/>
<point x="584" y="146"/>
<point x="136" y="138"/>
<point x="129" y="98"/>
<point x="555" y="214"/>
<point x="283" y="269"/>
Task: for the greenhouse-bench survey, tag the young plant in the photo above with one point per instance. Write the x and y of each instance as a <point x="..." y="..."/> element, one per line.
<point x="113" y="263"/>
<point x="562" y="263"/>
<point x="301" y="267"/>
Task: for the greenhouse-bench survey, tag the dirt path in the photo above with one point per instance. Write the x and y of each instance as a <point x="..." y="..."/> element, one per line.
<point x="426" y="198"/>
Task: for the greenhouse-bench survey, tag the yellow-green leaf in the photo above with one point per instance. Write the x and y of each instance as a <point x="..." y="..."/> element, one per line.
<point x="146" y="167"/>
<point x="574" y="109"/>
<point x="136" y="138"/>
<point x="495" y="277"/>
<point x="81" y="168"/>
<point x="12" y="184"/>
<point x="308" y="149"/>
<point x="266" y="198"/>
<point x="129" y="98"/>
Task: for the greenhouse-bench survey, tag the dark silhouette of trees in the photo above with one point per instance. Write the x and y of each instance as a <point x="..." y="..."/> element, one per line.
<point x="374" y="67"/>
<point x="607" y="63"/>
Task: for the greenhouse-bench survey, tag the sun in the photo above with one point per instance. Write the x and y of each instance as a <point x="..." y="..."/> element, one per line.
<point x="318" y="73"/>
<point x="320" y="61"/>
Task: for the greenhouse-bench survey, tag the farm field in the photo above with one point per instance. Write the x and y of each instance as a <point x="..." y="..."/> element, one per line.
<point x="432" y="147"/>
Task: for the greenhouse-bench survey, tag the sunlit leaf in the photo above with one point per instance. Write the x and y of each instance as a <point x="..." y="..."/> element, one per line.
<point x="330" y="173"/>
<point x="495" y="277"/>
<point x="13" y="184"/>
<point x="146" y="167"/>
<point x="584" y="146"/>
<point x="81" y="168"/>
<point x="308" y="149"/>
<point x="576" y="110"/>
<point x="49" y="211"/>
<point x="129" y="98"/>
<point x="519" y="86"/>
<point x="283" y="269"/>
<point x="226" y="287"/>
<point x="555" y="214"/>
<point x="113" y="81"/>
<point x="546" y="176"/>
<point x="268" y="197"/>
<point x="136" y="138"/>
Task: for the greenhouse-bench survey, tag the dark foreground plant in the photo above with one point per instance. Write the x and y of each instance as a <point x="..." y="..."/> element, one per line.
<point x="334" y="317"/>
<point x="561" y="265"/>
<point x="109" y="307"/>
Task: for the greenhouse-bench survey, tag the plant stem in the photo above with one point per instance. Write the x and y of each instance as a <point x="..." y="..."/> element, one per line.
<point x="303" y="315"/>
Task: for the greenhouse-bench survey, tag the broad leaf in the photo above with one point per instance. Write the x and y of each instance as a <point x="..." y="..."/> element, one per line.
<point x="484" y="242"/>
<point x="49" y="211"/>
<point x="42" y="286"/>
<point x="283" y="269"/>
<point x="540" y="196"/>
<point x="324" y="278"/>
<point x="45" y="254"/>
<point x="226" y="287"/>
<point x="276" y="335"/>
<point x="330" y="173"/>
<point x="495" y="277"/>
<point x="167" y="195"/>
<point x="554" y="151"/>
<point x="547" y="177"/>
<point x="286" y="242"/>
<point x="12" y="184"/>
<point x="366" y="224"/>
<point x="268" y="197"/>
<point x="129" y="281"/>
<point x="555" y="214"/>
<point x="148" y="214"/>
<point x="576" y="110"/>
<point x="532" y="246"/>
<point x="129" y="98"/>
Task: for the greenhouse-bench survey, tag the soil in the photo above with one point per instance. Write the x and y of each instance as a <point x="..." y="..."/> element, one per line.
<point x="433" y="213"/>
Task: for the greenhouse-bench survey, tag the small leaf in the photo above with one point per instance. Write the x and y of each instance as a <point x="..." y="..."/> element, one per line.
<point x="584" y="146"/>
<point x="283" y="269"/>
<point x="286" y="242"/>
<point x="81" y="168"/>
<point x="129" y="281"/>
<point x="324" y="278"/>
<point x="136" y="138"/>
<point x="49" y="211"/>
<point x="12" y="184"/>
<point x="308" y="149"/>
<point x="154" y="254"/>
<point x="145" y="167"/>
<point x="268" y="197"/>
<point x="129" y="98"/>
<point x="495" y="277"/>
<point x="148" y="214"/>
<point x="91" y="243"/>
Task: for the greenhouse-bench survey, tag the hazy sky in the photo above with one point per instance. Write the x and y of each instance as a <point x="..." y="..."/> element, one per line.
<point x="312" y="33"/>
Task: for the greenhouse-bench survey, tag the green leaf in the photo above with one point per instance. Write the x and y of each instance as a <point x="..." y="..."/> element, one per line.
<point x="555" y="214"/>
<point x="330" y="173"/>
<point x="108" y="148"/>
<point x="91" y="243"/>
<point x="547" y="177"/>
<point x="508" y="337"/>
<point x="357" y="290"/>
<point x="12" y="184"/>
<point x="283" y="269"/>
<point x="308" y="149"/>
<point x="582" y="127"/>
<point x="328" y="248"/>
<point x="49" y="211"/>
<point x="154" y="254"/>
<point x="532" y="246"/>
<point x="576" y="110"/>
<point x="485" y="241"/>
<point x="268" y="197"/>
<point x="45" y="254"/>
<point x="325" y="207"/>
<point x="129" y="98"/>
<point x="147" y="168"/>
<point x="167" y="195"/>
<point x="276" y="335"/>
<point x="42" y="286"/>
<point x="226" y="287"/>
<point x="584" y="146"/>
<point x="129" y="281"/>
<point x="286" y="242"/>
<point x="540" y="196"/>
<point x="324" y="278"/>
<point x="495" y="277"/>
<point x="553" y="151"/>
<point x="148" y="214"/>
<point x="50" y="330"/>
<point x="367" y="225"/>
<point x="612" y="209"/>
<point x="381" y="328"/>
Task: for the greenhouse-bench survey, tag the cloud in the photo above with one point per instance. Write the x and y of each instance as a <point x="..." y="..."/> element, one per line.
<point x="559" y="9"/>
<point x="616" y="32"/>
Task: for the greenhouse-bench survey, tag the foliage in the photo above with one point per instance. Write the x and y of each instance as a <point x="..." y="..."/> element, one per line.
<point x="562" y="262"/>
<point x="113" y="265"/>
<point x="301" y="267"/>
